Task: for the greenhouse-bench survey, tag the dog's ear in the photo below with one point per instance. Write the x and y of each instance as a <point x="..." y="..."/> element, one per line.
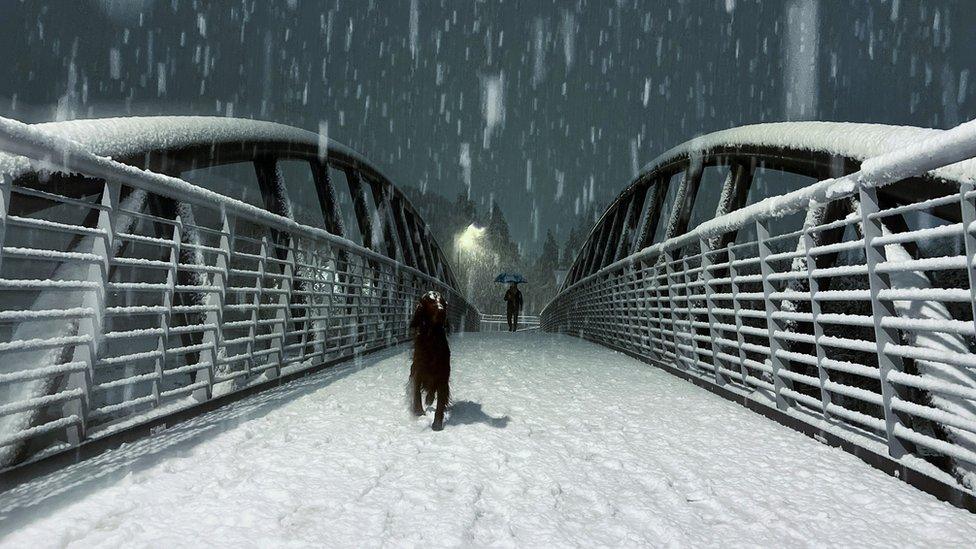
<point x="419" y="321"/>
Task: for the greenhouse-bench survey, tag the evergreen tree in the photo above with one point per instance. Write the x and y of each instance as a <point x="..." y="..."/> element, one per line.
<point x="500" y="239"/>
<point x="542" y="280"/>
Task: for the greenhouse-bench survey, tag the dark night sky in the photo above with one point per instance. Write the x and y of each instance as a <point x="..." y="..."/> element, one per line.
<point x="583" y="91"/>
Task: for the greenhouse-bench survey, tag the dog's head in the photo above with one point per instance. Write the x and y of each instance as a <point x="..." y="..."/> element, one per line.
<point x="431" y="313"/>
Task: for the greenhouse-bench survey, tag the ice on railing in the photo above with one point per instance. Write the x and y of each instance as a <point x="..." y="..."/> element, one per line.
<point x="943" y="341"/>
<point x="74" y="148"/>
<point x="124" y="136"/>
<point x="934" y="340"/>
<point x="47" y="326"/>
<point x="853" y="140"/>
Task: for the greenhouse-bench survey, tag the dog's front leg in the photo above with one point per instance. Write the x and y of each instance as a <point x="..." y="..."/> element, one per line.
<point x="439" y="411"/>
<point x="418" y="409"/>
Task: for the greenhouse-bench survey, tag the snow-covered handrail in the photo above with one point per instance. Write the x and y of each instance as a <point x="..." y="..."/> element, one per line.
<point x="862" y="317"/>
<point x="944" y="149"/>
<point x="115" y="315"/>
<point x="57" y="154"/>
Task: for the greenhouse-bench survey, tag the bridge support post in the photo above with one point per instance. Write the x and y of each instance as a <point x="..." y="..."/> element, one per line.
<point x="774" y="325"/>
<point x="692" y="331"/>
<point x="213" y="337"/>
<point x="655" y="267"/>
<point x="646" y="285"/>
<point x="165" y="318"/>
<point x="737" y="311"/>
<point x="283" y="315"/>
<point x="818" y="330"/>
<point x="968" y="208"/>
<point x="5" y="185"/>
<point x="882" y="308"/>
<point x="707" y="276"/>
<point x="92" y="326"/>
<point x="672" y="303"/>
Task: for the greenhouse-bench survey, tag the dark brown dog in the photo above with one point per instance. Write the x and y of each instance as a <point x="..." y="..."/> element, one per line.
<point x="431" y="368"/>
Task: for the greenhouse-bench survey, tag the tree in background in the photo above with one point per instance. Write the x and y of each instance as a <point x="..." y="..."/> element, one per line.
<point x="577" y="235"/>
<point x="542" y="277"/>
<point x="476" y="268"/>
<point x="500" y="240"/>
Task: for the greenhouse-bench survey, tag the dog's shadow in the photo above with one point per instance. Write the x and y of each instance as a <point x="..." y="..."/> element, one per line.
<point x="465" y="412"/>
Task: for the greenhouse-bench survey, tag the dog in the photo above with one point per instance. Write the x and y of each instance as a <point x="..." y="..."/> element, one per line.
<point x="430" y="371"/>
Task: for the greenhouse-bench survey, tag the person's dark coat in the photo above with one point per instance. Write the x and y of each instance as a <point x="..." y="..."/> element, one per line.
<point x="513" y="297"/>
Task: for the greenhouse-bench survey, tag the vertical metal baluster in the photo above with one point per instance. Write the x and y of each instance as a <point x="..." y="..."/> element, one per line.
<point x="393" y="302"/>
<point x="283" y="311"/>
<point x="968" y="208"/>
<point x="659" y="299"/>
<point x="213" y="337"/>
<point x="389" y="302"/>
<point x="165" y="318"/>
<point x="692" y="331"/>
<point x="773" y="325"/>
<point x="605" y="306"/>
<point x="306" y="258"/>
<point x="6" y="183"/>
<point x="672" y="302"/>
<point x="357" y="279"/>
<point x="633" y="308"/>
<point x="92" y="326"/>
<point x="707" y="276"/>
<point x="737" y="310"/>
<point x="818" y="331"/>
<point x="630" y="311"/>
<point x="612" y="305"/>
<point x="619" y="306"/>
<point x="884" y="337"/>
<point x="644" y="289"/>
<point x="336" y="303"/>
<point x="258" y="298"/>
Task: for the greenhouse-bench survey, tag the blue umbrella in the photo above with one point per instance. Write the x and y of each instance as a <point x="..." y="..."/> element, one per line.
<point x="508" y="278"/>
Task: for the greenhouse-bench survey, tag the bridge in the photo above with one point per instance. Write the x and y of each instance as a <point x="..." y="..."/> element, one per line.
<point x="183" y="364"/>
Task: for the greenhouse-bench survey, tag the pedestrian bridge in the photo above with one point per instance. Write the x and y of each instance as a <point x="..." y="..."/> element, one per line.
<point x="552" y="441"/>
<point x="180" y="364"/>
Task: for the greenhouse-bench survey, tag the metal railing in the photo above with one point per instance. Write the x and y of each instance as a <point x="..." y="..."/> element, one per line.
<point x="499" y="323"/>
<point x="883" y="359"/>
<point x="140" y="316"/>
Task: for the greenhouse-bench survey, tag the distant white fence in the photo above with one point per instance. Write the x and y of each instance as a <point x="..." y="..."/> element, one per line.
<point x="499" y="323"/>
<point x="883" y="360"/>
<point x="140" y="316"/>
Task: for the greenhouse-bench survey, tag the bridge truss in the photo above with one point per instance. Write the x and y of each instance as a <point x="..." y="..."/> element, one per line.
<point x="843" y="308"/>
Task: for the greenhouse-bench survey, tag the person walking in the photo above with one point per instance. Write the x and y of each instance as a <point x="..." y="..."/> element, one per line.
<point x="513" y="299"/>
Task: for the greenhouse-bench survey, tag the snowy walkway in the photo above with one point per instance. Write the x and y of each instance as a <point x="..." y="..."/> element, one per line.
<point x="552" y="442"/>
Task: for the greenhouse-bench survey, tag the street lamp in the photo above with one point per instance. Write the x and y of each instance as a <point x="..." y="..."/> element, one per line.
<point x="469" y="240"/>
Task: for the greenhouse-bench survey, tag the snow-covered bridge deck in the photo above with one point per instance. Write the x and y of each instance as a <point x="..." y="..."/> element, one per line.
<point x="551" y="441"/>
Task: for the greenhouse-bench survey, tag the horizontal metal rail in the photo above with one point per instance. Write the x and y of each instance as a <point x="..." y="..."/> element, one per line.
<point x="499" y="323"/>
<point x="876" y="348"/>
<point x="113" y="316"/>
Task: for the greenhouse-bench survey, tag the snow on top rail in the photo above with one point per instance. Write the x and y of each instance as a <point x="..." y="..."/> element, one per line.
<point x="851" y="140"/>
<point x="125" y="136"/>
<point x="57" y="153"/>
<point x="941" y="152"/>
<point x="767" y="344"/>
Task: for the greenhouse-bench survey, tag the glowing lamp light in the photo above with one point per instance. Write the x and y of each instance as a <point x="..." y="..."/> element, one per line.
<point x="469" y="237"/>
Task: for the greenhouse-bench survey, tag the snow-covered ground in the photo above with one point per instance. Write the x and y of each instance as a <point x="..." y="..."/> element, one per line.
<point x="552" y="441"/>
